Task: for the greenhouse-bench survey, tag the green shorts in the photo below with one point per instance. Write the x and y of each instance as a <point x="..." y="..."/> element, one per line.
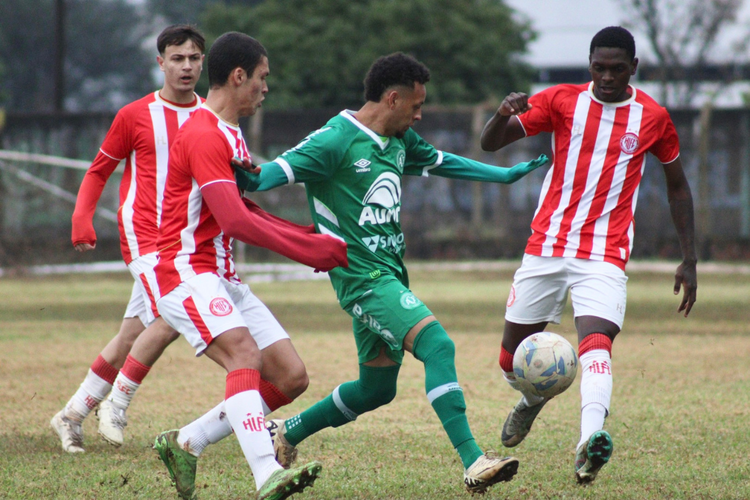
<point x="383" y="315"/>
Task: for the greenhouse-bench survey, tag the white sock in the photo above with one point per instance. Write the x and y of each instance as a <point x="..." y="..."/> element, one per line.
<point x="531" y="399"/>
<point x="245" y="413"/>
<point x="209" y="428"/>
<point x="90" y="393"/>
<point x="596" y="391"/>
<point x="123" y="391"/>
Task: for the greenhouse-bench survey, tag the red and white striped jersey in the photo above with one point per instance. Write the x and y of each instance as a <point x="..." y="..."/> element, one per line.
<point x="588" y="199"/>
<point x="141" y="133"/>
<point x="190" y="240"/>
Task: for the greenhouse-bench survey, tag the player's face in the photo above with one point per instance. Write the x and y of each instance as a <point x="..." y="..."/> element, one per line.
<point x="611" y="69"/>
<point x="253" y="89"/>
<point x="182" y="66"/>
<point x="408" y="108"/>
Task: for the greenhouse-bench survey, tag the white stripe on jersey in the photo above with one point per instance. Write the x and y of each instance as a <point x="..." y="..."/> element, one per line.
<point x="126" y="212"/>
<point x="325" y="230"/>
<point x="325" y="212"/>
<point x="576" y="140"/>
<point x="437" y="163"/>
<point x="187" y="235"/>
<point x="286" y="168"/>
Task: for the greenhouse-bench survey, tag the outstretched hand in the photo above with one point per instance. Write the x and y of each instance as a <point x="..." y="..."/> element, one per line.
<point x="245" y="164"/>
<point x="686" y="278"/>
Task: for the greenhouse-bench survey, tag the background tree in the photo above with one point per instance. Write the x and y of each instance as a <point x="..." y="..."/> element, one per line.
<point x="106" y="63"/>
<point x="683" y="35"/>
<point x="320" y="51"/>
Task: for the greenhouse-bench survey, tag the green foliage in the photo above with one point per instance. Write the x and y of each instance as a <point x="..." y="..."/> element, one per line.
<point x="320" y="51"/>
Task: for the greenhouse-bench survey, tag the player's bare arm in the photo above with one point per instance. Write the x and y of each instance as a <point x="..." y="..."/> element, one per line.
<point x="503" y="128"/>
<point x="681" y="208"/>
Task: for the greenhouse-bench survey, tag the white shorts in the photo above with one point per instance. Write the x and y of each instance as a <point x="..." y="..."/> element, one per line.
<point x="541" y="284"/>
<point x="142" y="305"/>
<point x="203" y="307"/>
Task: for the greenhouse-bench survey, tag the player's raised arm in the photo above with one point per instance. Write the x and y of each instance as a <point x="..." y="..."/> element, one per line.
<point x="458" y="167"/>
<point x="503" y="128"/>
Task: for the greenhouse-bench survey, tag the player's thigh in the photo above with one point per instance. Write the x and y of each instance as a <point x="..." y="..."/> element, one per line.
<point x="383" y="316"/>
<point x="598" y="289"/>
<point x="263" y="325"/>
<point x="201" y="309"/>
<point x="539" y="291"/>
<point x="142" y="270"/>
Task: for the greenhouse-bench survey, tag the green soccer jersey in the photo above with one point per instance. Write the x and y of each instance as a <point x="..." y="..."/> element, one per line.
<point x="352" y="177"/>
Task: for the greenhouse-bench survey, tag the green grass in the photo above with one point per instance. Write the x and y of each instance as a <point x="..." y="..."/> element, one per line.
<point x="680" y="412"/>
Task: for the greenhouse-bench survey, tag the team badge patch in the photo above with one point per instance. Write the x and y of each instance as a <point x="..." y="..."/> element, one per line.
<point x="511" y="297"/>
<point x="629" y="143"/>
<point x="220" y="307"/>
<point x="410" y="301"/>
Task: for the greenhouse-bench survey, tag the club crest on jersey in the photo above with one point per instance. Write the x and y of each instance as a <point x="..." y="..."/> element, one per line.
<point x="511" y="297"/>
<point x="400" y="160"/>
<point x="629" y="143"/>
<point x="409" y="301"/>
<point x="220" y="307"/>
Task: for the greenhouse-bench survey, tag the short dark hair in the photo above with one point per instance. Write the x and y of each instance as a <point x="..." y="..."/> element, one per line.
<point x="232" y="50"/>
<point x="177" y="34"/>
<point x="397" y="69"/>
<point x="614" y="37"/>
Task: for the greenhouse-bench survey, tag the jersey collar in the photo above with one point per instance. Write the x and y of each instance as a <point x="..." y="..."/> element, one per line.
<point x="349" y="115"/>
<point x="626" y="102"/>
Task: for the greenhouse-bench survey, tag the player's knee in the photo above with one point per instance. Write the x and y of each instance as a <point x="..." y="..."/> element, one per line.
<point x="433" y="342"/>
<point x="377" y="396"/>
<point x="295" y="383"/>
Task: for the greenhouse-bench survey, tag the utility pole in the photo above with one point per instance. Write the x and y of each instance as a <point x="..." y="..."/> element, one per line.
<point x="59" y="96"/>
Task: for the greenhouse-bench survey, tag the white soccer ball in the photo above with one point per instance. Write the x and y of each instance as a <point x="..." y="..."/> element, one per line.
<point x="545" y="364"/>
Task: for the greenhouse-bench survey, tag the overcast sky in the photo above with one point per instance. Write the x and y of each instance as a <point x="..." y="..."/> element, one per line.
<point x="565" y="28"/>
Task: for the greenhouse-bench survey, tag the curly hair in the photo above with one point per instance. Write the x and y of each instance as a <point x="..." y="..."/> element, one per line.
<point x="397" y="69"/>
<point x="615" y="37"/>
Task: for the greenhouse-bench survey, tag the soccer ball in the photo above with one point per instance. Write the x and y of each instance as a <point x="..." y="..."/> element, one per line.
<point x="545" y="364"/>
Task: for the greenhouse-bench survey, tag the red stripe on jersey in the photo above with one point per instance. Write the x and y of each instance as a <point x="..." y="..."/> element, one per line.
<point x="150" y="294"/>
<point x="197" y="320"/>
<point x="589" y="196"/>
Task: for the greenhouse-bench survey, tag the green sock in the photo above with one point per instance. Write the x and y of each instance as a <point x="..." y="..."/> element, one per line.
<point x="436" y="350"/>
<point x="375" y="387"/>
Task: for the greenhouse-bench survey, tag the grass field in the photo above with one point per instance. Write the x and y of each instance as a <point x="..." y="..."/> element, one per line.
<point x="680" y="415"/>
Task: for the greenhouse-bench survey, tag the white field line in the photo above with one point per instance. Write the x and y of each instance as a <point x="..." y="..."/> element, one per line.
<point x="270" y="272"/>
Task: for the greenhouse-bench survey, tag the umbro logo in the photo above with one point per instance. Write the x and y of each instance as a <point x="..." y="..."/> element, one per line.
<point x="362" y="165"/>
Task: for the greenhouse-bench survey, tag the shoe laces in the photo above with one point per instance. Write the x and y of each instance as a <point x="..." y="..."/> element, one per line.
<point x="75" y="431"/>
<point x="118" y="416"/>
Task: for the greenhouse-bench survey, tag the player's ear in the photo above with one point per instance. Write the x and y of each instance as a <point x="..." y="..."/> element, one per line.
<point x="160" y="61"/>
<point x="635" y="66"/>
<point x="392" y="99"/>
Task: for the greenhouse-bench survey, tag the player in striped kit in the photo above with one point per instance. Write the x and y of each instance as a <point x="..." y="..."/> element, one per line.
<point x="582" y="231"/>
<point x="141" y="134"/>
<point x="197" y="290"/>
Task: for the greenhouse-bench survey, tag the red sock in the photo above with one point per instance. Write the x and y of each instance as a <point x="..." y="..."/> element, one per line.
<point x="273" y="397"/>
<point x="506" y="360"/>
<point x="104" y="370"/>
<point x="244" y="379"/>
<point x="134" y="369"/>
<point x="595" y="341"/>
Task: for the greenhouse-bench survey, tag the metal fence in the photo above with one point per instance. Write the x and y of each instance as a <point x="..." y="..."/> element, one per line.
<point x="442" y="218"/>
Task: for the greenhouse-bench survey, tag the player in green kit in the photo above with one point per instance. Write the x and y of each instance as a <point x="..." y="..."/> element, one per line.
<point x="352" y="169"/>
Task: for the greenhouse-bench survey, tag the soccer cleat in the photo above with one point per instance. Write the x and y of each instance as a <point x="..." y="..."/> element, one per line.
<point x="286" y="454"/>
<point x="112" y="420"/>
<point x="180" y="463"/>
<point x="486" y="471"/>
<point x="286" y="482"/>
<point x="70" y="432"/>
<point x="592" y="455"/>
<point x="518" y="423"/>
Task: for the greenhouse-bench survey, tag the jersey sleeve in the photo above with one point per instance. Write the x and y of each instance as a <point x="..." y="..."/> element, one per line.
<point x="538" y="118"/>
<point x="88" y="196"/>
<point x="119" y="140"/>
<point x="421" y="156"/>
<point x="667" y="148"/>
<point x="315" y="158"/>
<point x="210" y="160"/>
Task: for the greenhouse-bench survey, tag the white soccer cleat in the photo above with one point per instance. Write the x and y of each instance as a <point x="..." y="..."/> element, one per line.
<point x="70" y="432"/>
<point x="112" y="420"/>
<point x="286" y="454"/>
<point x="486" y="471"/>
